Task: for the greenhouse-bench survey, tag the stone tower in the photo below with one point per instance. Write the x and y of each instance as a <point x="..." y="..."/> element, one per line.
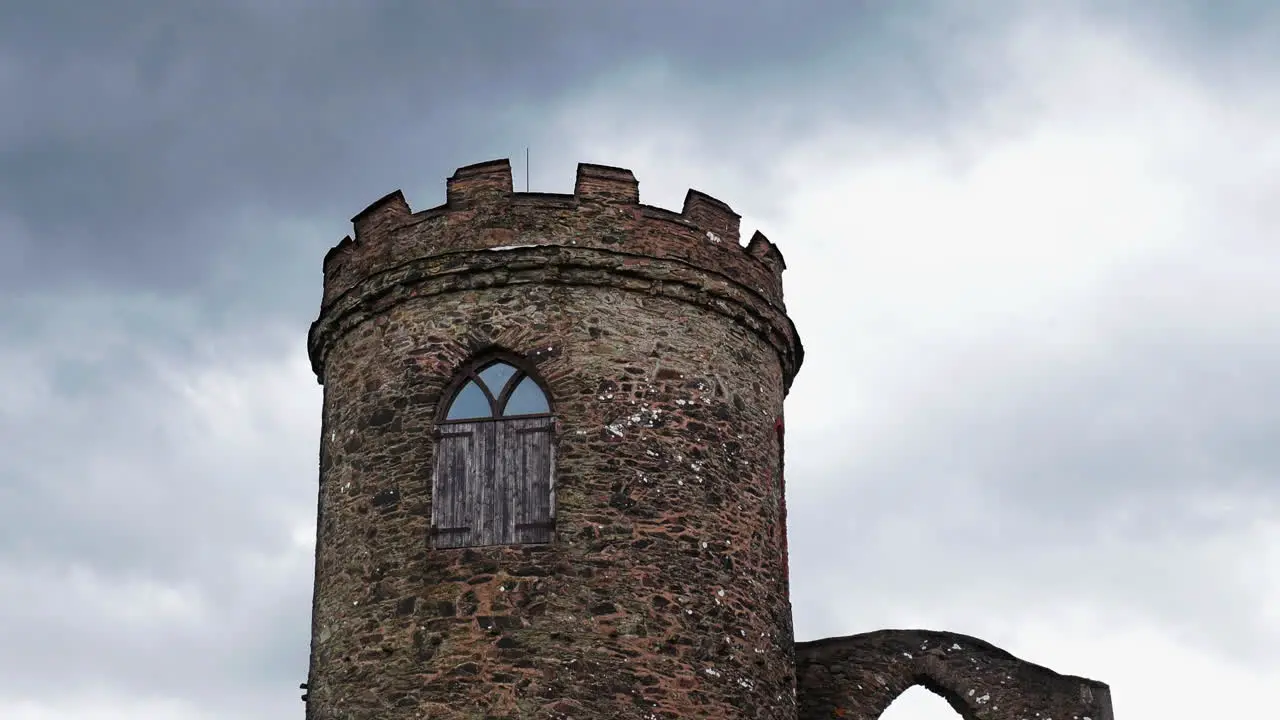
<point x="551" y="460"/>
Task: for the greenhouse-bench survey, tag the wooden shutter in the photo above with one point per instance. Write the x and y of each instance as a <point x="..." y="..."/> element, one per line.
<point x="489" y="519"/>
<point x="523" y="463"/>
<point x="493" y="483"/>
<point x="455" y="502"/>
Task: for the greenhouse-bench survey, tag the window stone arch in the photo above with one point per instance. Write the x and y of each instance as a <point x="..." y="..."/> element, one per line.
<point x="493" y="482"/>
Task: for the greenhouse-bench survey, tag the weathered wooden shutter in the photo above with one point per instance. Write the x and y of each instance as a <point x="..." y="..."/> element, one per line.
<point x="489" y="518"/>
<point x="493" y="483"/>
<point x="460" y="463"/>
<point x="524" y="461"/>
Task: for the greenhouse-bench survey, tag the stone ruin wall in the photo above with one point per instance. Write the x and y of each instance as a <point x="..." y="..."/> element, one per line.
<point x="857" y="677"/>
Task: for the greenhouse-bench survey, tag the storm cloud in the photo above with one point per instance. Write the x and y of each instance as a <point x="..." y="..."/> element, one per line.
<point x="1031" y="253"/>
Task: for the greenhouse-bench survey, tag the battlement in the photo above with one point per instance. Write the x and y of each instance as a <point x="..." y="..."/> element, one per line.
<point x="476" y="184"/>
<point x="602" y="183"/>
<point x="483" y="212"/>
<point x="711" y="215"/>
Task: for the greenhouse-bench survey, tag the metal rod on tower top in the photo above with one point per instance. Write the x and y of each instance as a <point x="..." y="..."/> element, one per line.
<point x="526" y="169"/>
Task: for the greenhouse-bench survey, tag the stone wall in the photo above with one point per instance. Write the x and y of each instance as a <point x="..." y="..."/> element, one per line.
<point x="664" y="594"/>
<point x="857" y="677"/>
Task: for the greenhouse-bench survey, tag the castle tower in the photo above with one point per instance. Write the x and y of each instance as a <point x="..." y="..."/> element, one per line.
<point x="551" y="460"/>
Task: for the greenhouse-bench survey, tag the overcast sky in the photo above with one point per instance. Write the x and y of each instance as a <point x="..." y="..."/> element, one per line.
<point x="1032" y="256"/>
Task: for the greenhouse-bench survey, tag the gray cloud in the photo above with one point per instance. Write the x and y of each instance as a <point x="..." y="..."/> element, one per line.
<point x="149" y="515"/>
<point x="176" y="171"/>
<point x="147" y="128"/>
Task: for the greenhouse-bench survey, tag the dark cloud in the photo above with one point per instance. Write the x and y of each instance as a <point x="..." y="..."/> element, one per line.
<point x="145" y="128"/>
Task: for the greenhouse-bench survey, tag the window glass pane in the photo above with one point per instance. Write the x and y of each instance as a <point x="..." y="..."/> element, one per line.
<point x="496" y="376"/>
<point x="470" y="403"/>
<point x="526" y="399"/>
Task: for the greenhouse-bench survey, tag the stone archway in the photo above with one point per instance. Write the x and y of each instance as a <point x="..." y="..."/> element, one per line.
<point x="858" y="677"/>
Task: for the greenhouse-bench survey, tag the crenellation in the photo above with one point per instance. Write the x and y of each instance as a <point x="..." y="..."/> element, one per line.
<point x="341" y="268"/>
<point x="768" y="253"/>
<point x="381" y="215"/>
<point x="607" y="184"/>
<point x="712" y="216"/>
<point x="605" y="204"/>
<point x="338" y="254"/>
<point x="481" y="183"/>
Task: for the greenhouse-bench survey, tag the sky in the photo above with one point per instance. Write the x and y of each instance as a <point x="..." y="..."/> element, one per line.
<point x="1031" y="254"/>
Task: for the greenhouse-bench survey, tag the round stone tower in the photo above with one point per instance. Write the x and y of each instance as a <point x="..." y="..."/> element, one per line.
<point x="551" y="460"/>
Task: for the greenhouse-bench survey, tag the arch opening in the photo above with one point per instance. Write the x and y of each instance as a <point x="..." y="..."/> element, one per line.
<point x="921" y="702"/>
<point x="927" y="699"/>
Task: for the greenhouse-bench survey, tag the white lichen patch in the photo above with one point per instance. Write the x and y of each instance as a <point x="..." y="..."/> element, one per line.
<point x="646" y="417"/>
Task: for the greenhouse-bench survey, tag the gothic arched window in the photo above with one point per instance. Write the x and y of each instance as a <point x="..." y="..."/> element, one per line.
<point x="495" y="459"/>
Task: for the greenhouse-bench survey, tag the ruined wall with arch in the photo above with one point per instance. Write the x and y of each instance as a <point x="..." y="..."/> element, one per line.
<point x="858" y="676"/>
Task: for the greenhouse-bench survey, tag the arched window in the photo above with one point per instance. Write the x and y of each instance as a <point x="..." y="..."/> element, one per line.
<point x="495" y="458"/>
